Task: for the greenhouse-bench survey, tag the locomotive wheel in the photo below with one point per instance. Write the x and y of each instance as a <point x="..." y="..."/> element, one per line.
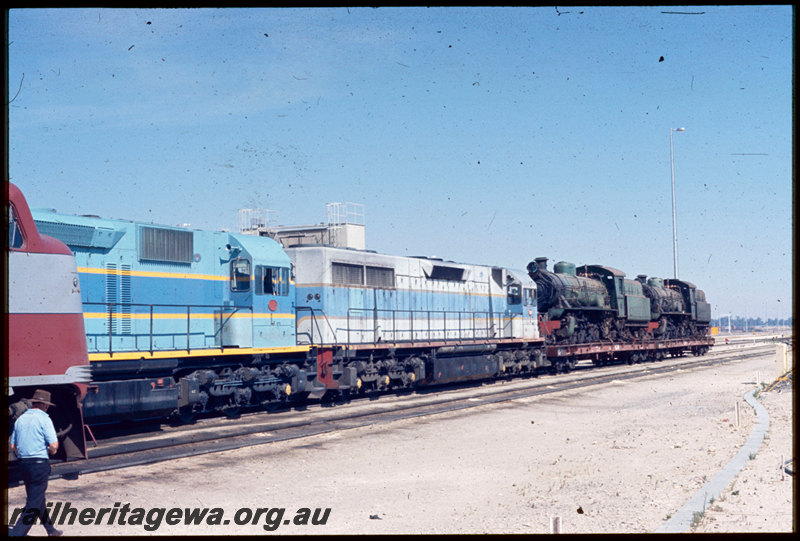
<point x="299" y="398"/>
<point x="187" y="415"/>
<point x="232" y="412"/>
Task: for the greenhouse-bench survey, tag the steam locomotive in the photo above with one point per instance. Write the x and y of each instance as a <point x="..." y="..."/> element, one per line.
<point x="594" y="303"/>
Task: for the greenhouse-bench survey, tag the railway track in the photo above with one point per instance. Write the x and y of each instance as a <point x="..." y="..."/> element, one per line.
<point x="216" y="435"/>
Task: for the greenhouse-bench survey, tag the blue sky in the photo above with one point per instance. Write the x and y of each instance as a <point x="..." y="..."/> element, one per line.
<point x="481" y="135"/>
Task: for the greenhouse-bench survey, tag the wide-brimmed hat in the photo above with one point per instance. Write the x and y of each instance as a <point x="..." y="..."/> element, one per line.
<point x="42" y="396"/>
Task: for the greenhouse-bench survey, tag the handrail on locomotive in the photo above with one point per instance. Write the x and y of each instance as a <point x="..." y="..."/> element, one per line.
<point x="112" y="314"/>
<point x="488" y="331"/>
<point x="113" y="310"/>
<point x="315" y="324"/>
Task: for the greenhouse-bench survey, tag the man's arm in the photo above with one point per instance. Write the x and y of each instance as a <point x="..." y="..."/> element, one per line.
<point x="50" y="437"/>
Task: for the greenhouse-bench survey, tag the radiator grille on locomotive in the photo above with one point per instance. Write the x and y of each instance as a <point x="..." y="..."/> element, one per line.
<point x="157" y="244"/>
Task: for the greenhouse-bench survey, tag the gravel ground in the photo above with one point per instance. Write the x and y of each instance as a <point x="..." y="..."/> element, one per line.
<point x="621" y="458"/>
<point x="761" y="498"/>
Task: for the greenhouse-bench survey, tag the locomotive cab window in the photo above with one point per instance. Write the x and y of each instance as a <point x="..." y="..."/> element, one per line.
<point x="272" y="280"/>
<point x="528" y="297"/>
<point x="240" y="274"/>
<point x="15" y="239"/>
<point x="700" y="295"/>
<point x="514" y="294"/>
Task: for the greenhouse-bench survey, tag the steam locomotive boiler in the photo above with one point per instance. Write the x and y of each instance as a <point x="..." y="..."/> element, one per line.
<point x="589" y="304"/>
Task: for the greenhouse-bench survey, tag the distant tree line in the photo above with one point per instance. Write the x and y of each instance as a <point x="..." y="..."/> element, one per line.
<point x="741" y="323"/>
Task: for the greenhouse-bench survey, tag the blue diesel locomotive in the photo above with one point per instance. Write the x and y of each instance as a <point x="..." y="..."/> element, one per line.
<point x="184" y="321"/>
<point x="454" y="321"/>
<point x="178" y="319"/>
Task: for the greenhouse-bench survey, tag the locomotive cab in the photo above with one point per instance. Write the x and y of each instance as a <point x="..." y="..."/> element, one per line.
<point x="521" y="301"/>
<point x="46" y="345"/>
<point x="260" y="287"/>
<point x="627" y="296"/>
<point x="695" y="299"/>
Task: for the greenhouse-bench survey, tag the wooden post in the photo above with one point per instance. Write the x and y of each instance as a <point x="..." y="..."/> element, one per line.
<point x="781" y="359"/>
<point x="737" y="414"/>
<point x="555" y="524"/>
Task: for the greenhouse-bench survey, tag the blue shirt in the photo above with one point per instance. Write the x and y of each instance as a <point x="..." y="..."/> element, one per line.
<point x="33" y="432"/>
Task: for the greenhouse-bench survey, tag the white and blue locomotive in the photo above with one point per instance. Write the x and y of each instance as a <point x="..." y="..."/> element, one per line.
<point x="401" y="320"/>
<point x="182" y="321"/>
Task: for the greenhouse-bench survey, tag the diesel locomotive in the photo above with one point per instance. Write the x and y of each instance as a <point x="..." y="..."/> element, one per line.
<point x="46" y="338"/>
<point x="194" y="321"/>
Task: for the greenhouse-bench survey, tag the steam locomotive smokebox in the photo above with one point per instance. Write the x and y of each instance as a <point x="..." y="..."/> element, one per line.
<point x="449" y="369"/>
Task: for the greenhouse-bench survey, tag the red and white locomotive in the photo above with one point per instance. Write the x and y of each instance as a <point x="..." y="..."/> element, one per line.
<point x="46" y="346"/>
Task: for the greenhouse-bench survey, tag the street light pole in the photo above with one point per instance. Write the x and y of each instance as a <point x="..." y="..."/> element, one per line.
<point x="674" y="219"/>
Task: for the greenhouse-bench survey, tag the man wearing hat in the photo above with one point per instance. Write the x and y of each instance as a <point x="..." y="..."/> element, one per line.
<point x="34" y="438"/>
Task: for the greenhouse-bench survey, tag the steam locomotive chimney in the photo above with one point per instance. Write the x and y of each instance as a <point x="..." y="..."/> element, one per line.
<point x="541" y="263"/>
<point x="642" y="278"/>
